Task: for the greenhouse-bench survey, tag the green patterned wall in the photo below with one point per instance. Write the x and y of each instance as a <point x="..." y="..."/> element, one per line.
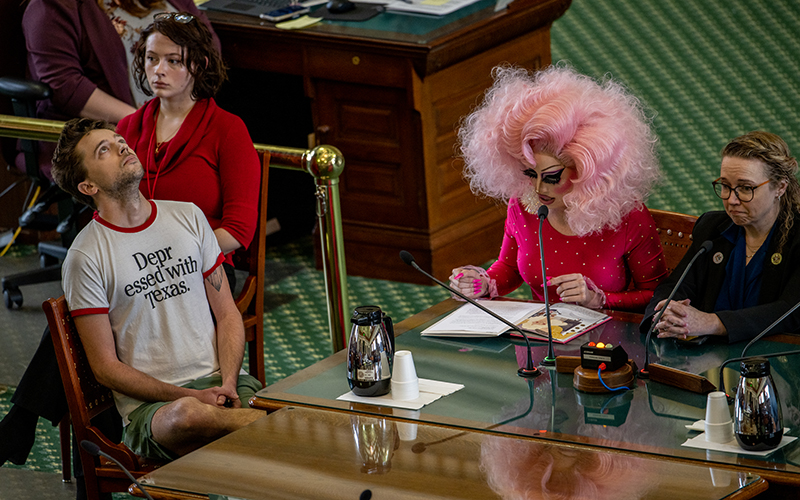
<point x="709" y="70"/>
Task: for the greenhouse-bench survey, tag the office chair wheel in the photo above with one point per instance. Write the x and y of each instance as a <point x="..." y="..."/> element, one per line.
<point x="12" y="297"/>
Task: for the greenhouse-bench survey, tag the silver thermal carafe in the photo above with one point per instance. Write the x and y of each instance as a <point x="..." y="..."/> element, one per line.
<point x="370" y="353"/>
<point x="757" y="422"/>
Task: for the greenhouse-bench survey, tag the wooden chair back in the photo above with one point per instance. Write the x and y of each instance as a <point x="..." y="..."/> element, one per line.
<point x="250" y="300"/>
<point x="675" y="231"/>
<point x="87" y="398"/>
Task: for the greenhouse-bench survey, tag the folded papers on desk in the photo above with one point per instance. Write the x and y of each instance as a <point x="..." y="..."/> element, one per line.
<point x="428" y="7"/>
<point x="699" y="441"/>
<point x="567" y="321"/>
<point x="429" y="391"/>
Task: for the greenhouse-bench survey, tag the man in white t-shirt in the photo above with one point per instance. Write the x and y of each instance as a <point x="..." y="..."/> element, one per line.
<point x="149" y="297"/>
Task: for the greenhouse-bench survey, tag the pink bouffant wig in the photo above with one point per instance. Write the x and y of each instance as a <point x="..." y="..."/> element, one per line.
<point x="597" y="128"/>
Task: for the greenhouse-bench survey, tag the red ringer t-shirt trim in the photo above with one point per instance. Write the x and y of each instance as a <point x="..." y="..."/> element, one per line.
<point x="142" y="227"/>
<point x="89" y="310"/>
<point x="219" y="262"/>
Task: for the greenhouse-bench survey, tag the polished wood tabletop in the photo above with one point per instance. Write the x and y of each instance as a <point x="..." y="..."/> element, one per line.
<point x="649" y="420"/>
<point x="304" y="453"/>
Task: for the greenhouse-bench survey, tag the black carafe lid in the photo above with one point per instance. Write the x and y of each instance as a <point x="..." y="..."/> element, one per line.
<point x="755" y="367"/>
<point x="366" y="316"/>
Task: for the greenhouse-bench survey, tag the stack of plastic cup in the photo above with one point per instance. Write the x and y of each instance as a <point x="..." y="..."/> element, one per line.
<point x="718" y="424"/>
<point x="407" y="430"/>
<point x="405" y="384"/>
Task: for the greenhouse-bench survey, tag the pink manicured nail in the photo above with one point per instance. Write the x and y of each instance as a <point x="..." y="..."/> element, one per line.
<point x="459" y="275"/>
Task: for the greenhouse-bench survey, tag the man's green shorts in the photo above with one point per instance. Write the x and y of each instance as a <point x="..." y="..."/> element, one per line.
<point x="139" y="437"/>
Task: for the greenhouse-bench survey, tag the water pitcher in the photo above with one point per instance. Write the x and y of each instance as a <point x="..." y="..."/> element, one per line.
<point x="370" y="353"/>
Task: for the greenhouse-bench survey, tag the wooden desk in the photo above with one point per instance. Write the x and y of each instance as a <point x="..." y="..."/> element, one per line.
<point x="389" y="93"/>
<point x="304" y="453"/>
<point x="646" y="421"/>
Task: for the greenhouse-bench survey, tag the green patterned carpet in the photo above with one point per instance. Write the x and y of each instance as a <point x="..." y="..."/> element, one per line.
<point x="708" y="70"/>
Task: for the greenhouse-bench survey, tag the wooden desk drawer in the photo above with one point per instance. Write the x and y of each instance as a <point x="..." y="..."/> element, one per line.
<point x="359" y="66"/>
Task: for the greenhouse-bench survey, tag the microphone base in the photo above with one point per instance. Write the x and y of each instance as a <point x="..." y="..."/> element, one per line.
<point x="586" y="380"/>
<point x="529" y="372"/>
<point x="549" y="361"/>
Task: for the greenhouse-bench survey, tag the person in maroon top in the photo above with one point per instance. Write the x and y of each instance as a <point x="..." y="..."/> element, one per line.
<point x="584" y="150"/>
<point x="191" y="149"/>
<point x="79" y="49"/>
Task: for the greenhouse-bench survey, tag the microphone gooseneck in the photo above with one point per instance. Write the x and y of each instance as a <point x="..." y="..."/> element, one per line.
<point x="95" y="451"/>
<point x="528" y="370"/>
<point x="769" y="328"/>
<point x="550" y="359"/>
<point x="755" y="339"/>
<point x="705" y="247"/>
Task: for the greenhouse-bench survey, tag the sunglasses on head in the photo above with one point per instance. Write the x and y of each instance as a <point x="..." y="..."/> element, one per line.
<point x="180" y="17"/>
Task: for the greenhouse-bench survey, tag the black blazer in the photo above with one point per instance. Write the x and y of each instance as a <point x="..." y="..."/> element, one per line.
<point x="780" y="285"/>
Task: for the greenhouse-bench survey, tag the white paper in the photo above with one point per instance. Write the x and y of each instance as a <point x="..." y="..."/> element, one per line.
<point x="429" y="391"/>
<point x="470" y="319"/>
<point x="429" y="7"/>
<point x="699" y="425"/>
<point x="699" y="441"/>
<point x="567" y="320"/>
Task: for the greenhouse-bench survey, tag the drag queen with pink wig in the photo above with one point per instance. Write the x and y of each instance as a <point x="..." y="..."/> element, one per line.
<point x="586" y="151"/>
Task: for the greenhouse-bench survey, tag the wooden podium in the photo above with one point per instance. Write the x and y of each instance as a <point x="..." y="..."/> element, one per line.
<point x="389" y="93"/>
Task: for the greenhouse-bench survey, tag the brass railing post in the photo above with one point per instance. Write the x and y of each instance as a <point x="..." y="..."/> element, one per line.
<point x="325" y="163"/>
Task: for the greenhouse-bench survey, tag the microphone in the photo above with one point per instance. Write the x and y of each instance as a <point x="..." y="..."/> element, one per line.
<point x="769" y="328"/>
<point x="755" y="339"/>
<point x="529" y="370"/>
<point x="550" y="359"/>
<point x="95" y="451"/>
<point x="644" y="372"/>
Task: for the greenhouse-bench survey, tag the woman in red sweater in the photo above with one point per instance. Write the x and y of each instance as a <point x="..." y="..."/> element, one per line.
<point x="585" y="150"/>
<point x="191" y="149"/>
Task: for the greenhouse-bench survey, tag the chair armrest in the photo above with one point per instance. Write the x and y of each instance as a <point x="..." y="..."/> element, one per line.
<point x="25" y="90"/>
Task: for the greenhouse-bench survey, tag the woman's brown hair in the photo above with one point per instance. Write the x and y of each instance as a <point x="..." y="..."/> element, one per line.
<point x="198" y="53"/>
<point x="780" y="165"/>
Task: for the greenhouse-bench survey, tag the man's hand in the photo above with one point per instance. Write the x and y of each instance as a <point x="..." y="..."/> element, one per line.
<point x="220" y="397"/>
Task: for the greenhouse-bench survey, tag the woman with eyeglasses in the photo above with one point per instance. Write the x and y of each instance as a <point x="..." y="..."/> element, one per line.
<point x="584" y="150"/>
<point x="191" y="149"/>
<point x="751" y="276"/>
<point x="83" y="51"/>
